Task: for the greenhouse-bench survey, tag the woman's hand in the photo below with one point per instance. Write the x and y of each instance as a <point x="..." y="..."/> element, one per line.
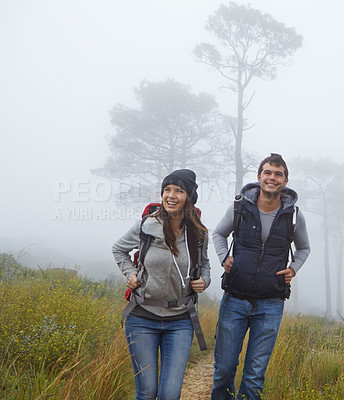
<point x="132" y="282"/>
<point x="198" y="286"/>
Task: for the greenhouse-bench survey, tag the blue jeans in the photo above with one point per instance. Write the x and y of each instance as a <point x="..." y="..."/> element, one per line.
<point x="235" y="318"/>
<point x="145" y="338"/>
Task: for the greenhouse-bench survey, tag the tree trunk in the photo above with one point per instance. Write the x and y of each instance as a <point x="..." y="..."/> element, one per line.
<point x="183" y="153"/>
<point x="339" y="305"/>
<point x="328" y="313"/>
<point x="239" y="168"/>
<point x="171" y="154"/>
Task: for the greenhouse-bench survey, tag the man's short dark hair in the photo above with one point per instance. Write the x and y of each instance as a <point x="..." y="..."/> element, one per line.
<point x="274" y="159"/>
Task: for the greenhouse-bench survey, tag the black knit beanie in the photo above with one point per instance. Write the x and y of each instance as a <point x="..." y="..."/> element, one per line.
<point x="184" y="178"/>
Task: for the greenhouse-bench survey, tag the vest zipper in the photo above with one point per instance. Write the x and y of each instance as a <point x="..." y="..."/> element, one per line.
<point x="262" y="248"/>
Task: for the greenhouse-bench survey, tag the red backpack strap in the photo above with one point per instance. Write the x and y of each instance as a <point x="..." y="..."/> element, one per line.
<point x="150" y="208"/>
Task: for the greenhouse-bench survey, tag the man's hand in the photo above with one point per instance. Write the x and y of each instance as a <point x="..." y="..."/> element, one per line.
<point x="227" y="264"/>
<point x="132" y="282"/>
<point x="288" y="273"/>
<point x="198" y="286"/>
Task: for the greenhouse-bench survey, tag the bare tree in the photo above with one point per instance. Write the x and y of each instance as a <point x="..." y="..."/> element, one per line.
<point x="252" y="44"/>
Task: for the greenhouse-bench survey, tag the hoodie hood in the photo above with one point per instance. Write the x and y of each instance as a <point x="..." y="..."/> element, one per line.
<point x="250" y="193"/>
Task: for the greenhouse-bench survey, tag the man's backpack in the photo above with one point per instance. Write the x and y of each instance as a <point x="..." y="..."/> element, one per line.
<point x="138" y="258"/>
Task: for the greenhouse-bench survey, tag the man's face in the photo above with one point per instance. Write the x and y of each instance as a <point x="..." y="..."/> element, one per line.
<point x="272" y="180"/>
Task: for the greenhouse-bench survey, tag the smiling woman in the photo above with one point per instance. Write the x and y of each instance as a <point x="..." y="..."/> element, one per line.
<point x="173" y="199"/>
<point x="161" y="318"/>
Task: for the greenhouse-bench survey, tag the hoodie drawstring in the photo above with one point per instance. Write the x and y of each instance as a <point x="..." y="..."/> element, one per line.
<point x="189" y="262"/>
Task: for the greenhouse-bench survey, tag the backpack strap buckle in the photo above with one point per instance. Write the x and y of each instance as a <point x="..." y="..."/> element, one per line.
<point x="172" y="303"/>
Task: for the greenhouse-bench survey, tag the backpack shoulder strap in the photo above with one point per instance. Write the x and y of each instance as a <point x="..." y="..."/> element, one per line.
<point x="292" y="225"/>
<point x="145" y="242"/>
<point x="237" y="213"/>
<point x="197" y="270"/>
<point x="145" y="239"/>
<point x="237" y="217"/>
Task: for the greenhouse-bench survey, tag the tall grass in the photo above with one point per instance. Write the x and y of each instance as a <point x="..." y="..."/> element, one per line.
<point x="103" y="374"/>
<point x="308" y="360"/>
<point x="60" y="338"/>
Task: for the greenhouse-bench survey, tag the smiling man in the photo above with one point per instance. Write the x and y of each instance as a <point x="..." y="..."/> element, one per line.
<point x="257" y="276"/>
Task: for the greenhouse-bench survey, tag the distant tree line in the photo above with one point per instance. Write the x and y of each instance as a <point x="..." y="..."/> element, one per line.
<point x="321" y="189"/>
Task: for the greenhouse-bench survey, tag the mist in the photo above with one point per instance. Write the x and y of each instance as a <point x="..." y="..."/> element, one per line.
<point x="66" y="64"/>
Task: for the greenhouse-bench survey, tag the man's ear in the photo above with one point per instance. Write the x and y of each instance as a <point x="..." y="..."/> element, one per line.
<point x="286" y="181"/>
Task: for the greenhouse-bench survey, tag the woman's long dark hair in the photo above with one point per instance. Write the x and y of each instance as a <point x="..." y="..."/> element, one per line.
<point x="196" y="231"/>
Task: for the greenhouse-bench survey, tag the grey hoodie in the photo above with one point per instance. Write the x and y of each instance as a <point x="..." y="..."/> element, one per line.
<point x="163" y="277"/>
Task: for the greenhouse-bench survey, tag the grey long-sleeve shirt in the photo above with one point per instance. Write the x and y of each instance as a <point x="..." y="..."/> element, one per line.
<point x="226" y="225"/>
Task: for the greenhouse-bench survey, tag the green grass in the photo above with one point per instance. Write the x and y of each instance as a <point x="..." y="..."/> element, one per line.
<point x="61" y="338"/>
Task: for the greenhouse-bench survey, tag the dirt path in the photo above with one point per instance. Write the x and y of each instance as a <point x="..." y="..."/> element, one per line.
<point x="198" y="379"/>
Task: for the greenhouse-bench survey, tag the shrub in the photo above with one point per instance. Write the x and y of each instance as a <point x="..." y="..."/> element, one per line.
<point x="47" y="318"/>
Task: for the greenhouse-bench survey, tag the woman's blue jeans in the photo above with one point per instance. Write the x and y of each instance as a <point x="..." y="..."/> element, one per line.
<point x="145" y="338"/>
<point x="236" y="316"/>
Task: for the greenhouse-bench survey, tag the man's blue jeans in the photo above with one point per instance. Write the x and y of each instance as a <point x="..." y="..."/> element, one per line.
<point x="235" y="317"/>
<point x="145" y="337"/>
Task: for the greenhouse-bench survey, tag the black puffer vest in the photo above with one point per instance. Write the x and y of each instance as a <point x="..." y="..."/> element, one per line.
<point x="255" y="264"/>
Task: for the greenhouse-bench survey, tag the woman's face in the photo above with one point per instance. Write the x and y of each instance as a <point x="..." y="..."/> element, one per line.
<point x="173" y="199"/>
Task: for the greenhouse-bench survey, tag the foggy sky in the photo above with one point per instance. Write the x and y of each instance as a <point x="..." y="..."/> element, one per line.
<point x="66" y="63"/>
